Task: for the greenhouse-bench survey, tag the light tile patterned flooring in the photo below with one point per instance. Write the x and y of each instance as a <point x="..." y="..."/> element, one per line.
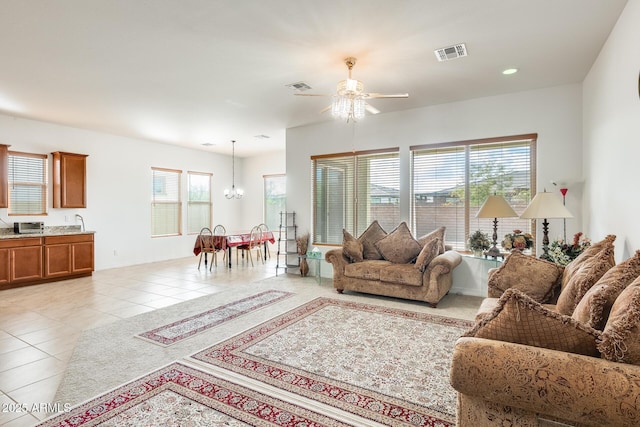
<point x="40" y="324"/>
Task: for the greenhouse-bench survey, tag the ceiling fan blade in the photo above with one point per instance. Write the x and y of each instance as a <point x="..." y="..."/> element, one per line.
<point x="311" y="94"/>
<point x="325" y="109"/>
<point x="370" y="108"/>
<point x="386" y="95"/>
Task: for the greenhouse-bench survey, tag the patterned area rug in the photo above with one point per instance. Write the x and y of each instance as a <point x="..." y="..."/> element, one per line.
<point x="178" y="395"/>
<point x="184" y="328"/>
<point x="384" y="364"/>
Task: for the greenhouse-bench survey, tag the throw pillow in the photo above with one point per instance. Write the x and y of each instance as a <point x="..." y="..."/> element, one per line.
<point x="438" y="233"/>
<point x="587" y="254"/>
<point x="399" y="246"/>
<point x="593" y="309"/>
<point x="521" y="320"/>
<point x="591" y="269"/>
<point x="620" y="340"/>
<point x="369" y="237"/>
<point x="351" y="247"/>
<point x="427" y="254"/>
<point x="535" y="277"/>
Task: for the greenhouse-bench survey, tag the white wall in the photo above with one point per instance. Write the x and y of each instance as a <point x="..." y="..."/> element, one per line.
<point x="119" y="183"/>
<point x="554" y="113"/>
<point x="612" y="136"/>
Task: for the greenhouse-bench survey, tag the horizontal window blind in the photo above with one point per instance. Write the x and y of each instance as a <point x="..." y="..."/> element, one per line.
<point x="27" y="182"/>
<point x="166" y="204"/>
<point x="450" y="182"/>
<point x="350" y="190"/>
<point x="199" y="206"/>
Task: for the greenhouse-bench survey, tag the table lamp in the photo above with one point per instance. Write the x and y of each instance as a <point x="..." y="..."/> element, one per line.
<point x="545" y="205"/>
<point x="495" y="207"/>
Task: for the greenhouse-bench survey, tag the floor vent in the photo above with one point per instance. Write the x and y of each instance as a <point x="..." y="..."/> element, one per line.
<point x="451" y="52"/>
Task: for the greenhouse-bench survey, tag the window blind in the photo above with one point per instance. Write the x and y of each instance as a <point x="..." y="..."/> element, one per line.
<point x="450" y="182"/>
<point x="27" y="183"/>
<point x="166" y="204"/>
<point x="350" y="190"/>
<point x="199" y="206"/>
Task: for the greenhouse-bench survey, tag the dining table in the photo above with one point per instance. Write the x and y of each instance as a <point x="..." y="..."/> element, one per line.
<point x="229" y="241"/>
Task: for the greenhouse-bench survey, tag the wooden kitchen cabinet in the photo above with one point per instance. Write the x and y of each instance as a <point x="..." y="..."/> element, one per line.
<point x="68" y="255"/>
<point x="20" y="260"/>
<point x="69" y="180"/>
<point x="32" y="260"/>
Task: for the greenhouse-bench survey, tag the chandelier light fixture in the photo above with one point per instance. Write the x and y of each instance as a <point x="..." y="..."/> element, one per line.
<point x="233" y="193"/>
<point x="348" y="103"/>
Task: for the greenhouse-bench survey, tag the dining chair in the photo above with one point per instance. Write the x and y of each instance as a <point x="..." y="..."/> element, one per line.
<point x="255" y="244"/>
<point x="205" y="240"/>
<point x="264" y="228"/>
<point x="219" y="230"/>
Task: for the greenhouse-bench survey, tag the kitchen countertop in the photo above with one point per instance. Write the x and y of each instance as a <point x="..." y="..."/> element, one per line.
<point x="7" y="233"/>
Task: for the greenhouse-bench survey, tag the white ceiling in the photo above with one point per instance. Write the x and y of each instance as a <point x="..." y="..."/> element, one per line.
<point x="190" y="72"/>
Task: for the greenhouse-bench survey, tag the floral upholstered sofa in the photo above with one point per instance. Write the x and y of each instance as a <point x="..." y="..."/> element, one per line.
<point x="394" y="264"/>
<point x="537" y="358"/>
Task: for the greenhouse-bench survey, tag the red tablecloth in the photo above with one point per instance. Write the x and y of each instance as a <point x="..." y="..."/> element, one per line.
<point x="231" y="240"/>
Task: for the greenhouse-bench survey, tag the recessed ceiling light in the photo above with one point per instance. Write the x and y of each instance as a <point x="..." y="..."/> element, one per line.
<point x="510" y="71"/>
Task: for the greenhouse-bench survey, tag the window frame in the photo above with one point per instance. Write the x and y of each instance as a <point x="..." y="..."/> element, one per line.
<point x="192" y="203"/>
<point x="351" y="191"/>
<point x="273" y="223"/>
<point x="484" y="224"/>
<point x="155" y="189"/>
<point x="43" y="185"/>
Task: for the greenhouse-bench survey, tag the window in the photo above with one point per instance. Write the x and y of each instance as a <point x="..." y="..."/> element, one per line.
<point x="275" y="199"/>
<point x="27" y="184"/>
<point x="166" y="204"/>
<point x="199" y="206"/>
<point x="450" y="182"/>
<point x="350" y="190"/>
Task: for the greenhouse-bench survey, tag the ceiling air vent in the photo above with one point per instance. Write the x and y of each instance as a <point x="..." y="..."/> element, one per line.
<point x="451" y="52"/>
<point x="208" y="144"/>
<point x="299" y="86"/>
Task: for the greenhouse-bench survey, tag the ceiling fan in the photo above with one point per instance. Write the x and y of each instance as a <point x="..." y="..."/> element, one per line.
<point x="349" y="102"/>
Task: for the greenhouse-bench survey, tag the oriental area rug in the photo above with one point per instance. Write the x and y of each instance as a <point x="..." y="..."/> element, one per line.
<point x="384" y="364"/>
<point x="185" y="328"/>
<point x="179" y="395"/>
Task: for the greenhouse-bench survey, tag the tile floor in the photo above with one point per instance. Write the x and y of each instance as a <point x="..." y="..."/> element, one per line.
<point x="40" y="324"/>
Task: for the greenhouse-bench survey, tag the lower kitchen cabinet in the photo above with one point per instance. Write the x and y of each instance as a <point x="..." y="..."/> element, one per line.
<point x="32" y="260"/>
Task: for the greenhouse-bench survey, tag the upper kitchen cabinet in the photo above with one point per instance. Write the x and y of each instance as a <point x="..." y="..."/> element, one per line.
<point x="69" y="180"/>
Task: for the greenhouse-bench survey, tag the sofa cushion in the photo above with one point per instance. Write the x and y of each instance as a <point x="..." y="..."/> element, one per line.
<point x="427" y="254"/>
<point x="399" y="246"/>
<point x="438" y="233"/>
<point x="598" y="260"/>
<point x="351" y="247"/>
<point x="521" y="320"/>
<point x="369" y="269"/>
<point x="533" y="276"/>
<point x="403" y="274"/>
<point x="593" y="309"/>
<point x="620" y="341"/>
<point x="369" y="237"/>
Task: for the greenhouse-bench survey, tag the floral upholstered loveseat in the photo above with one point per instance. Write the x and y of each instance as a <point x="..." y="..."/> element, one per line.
<point x="394" y="264"/>
<point x="573" y="362"/>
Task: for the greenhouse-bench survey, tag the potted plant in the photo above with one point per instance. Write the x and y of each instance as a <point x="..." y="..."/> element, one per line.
<point x="478" y="242"/>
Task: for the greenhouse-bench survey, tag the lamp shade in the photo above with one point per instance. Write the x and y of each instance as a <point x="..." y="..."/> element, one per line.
<point x="496" y="207"/>
<point x="546" y="205"/>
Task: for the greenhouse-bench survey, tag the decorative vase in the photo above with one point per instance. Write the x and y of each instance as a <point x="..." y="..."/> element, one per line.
<point x="304" y="267"/>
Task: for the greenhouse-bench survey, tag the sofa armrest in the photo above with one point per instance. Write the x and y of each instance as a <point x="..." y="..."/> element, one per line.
<point x="449" y="260"/>
<point x="339" y="261"/>
<point x="577" y="388"/>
